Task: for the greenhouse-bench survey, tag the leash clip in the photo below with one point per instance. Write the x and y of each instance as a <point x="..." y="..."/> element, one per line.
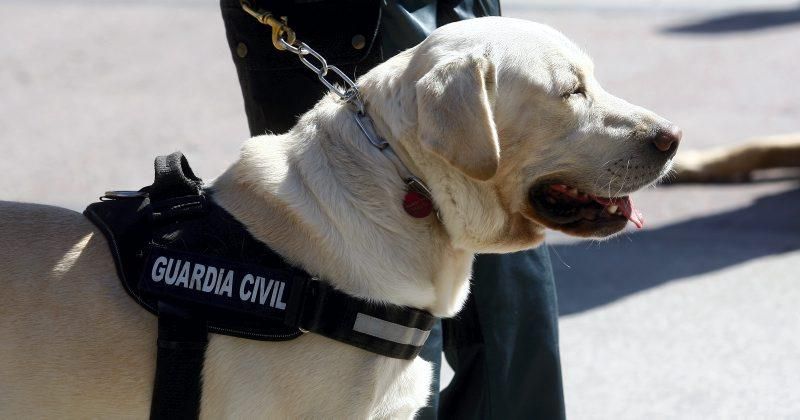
<point x="282" y="34"/>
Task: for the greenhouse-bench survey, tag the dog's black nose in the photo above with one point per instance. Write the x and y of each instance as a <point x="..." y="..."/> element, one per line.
<point x="667" y="138"/>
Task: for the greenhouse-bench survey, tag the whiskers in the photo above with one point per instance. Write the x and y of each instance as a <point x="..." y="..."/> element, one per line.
<point x="555" y="251"/>
<point x="624" y="176"/>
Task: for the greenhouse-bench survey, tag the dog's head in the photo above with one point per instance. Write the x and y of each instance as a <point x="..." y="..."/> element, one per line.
<point x="505" y="121"/>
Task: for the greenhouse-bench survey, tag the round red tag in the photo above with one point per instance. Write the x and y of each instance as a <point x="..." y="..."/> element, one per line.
<point x="417" y="205"/>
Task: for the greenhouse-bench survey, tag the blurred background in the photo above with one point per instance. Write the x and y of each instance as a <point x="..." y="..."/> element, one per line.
<point x="695" y="316"/>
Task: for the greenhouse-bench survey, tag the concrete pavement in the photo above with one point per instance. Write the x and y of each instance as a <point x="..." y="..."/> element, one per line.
<point x="694" y="317"/>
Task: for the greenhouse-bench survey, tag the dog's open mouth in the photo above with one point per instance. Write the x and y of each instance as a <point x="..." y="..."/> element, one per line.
<point x="567" y="208"/>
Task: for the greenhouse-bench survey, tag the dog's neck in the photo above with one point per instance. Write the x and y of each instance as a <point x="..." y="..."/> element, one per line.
<point x="328" y="201"/>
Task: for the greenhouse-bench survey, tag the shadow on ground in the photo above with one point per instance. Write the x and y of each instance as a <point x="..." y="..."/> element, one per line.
<point x="740" y="21"/>
<point x="602" y="273"/>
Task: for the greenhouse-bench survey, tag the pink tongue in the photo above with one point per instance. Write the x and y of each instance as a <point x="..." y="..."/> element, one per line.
<point x="626" y="207"/>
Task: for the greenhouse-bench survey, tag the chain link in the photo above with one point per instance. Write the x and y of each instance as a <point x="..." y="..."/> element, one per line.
<point x="348" y="92"/>
<point x="305" y="51"/>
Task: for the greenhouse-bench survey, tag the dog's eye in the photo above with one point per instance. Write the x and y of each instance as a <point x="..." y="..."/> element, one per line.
<point x="577" y="90"/>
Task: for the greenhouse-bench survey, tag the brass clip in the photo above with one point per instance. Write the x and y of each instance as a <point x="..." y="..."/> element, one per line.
<point x="280" y="29"/>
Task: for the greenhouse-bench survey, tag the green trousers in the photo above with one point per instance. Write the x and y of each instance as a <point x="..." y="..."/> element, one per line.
<point x="503" y="346"/>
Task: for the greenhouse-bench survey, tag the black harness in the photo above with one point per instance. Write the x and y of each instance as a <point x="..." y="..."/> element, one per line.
<point x="185" y="259"/>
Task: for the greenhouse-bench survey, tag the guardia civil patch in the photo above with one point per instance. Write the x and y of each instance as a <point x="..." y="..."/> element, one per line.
<point x="224" y="284"/>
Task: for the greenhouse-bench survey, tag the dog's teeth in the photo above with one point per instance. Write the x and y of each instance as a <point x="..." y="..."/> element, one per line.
<point x="612" y="209"/>
<point x="573" y="192"/>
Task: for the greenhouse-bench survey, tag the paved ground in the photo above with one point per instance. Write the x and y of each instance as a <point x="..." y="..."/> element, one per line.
<point x="694" y="317"/>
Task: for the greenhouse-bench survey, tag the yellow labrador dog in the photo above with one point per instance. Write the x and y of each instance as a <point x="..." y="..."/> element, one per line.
<point x="502" y="118"/>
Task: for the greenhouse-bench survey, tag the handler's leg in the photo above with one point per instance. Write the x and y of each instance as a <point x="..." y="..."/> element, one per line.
<point x="503" y="345"/>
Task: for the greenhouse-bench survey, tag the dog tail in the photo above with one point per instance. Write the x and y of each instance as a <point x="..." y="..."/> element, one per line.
<point x="737" y="163"/>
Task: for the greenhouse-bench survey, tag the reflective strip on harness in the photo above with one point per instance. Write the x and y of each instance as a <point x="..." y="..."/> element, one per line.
<point x="389" y="331"/>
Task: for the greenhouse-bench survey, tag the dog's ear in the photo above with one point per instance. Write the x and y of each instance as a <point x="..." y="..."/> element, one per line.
<point x="455" y="120"/>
